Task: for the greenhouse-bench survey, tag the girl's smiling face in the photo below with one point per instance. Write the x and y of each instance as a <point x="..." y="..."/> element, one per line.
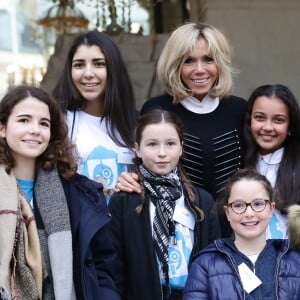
<point x="89" y="74"/>
<point x="160" y="148"/>
<point x="27" y="131"/>
<point x="269" y="123"/>
<point x="249" y="225"/>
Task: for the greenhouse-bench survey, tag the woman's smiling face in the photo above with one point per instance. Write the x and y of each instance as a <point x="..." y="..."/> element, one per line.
<point x="199" y="71"/>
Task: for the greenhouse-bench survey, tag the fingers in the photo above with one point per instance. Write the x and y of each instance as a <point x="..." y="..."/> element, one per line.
<point x="128" y="182"/>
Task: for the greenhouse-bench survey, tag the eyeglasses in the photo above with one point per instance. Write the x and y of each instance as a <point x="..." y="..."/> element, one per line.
<point x="240" y="206"/>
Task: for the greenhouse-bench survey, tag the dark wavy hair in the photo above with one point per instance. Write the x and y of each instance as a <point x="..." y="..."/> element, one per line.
<point x="59" y="153"/>
<point x="287" y="187"/>
<point x="119" y="102"/>
<point x="158" y="116"/>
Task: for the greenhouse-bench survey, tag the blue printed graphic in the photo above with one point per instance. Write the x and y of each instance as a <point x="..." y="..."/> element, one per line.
<point x="102" y="165"/>
<point x="179" y="256"/>
<point x="275" y="229"/>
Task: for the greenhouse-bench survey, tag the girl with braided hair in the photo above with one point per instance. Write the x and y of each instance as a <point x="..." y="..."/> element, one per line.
<point x="156" y="232"/>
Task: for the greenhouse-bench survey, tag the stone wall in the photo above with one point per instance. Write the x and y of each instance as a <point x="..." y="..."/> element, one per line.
<point x="266" y="40"/>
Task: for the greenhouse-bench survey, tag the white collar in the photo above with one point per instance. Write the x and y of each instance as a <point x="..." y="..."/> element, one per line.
<point x="272" y="158"/>
<point x="207" y="105"/>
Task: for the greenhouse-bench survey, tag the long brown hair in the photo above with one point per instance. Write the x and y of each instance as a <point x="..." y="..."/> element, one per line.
<point x="59" y="153"/>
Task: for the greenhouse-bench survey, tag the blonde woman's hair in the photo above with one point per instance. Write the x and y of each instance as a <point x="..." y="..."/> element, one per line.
<point x="180" y="43"/>
<point x="294" y="226"/>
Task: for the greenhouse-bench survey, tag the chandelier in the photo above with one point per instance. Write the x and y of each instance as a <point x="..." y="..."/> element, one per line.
<point x="64" y="17"/>
<point x="61" y="18"/>
<point x="112" y="16"/>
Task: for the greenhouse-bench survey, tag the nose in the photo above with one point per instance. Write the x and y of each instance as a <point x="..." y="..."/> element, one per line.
<point x="249" y="211"/>
<point x="200" y="66"/>
<point x="268" y="125"/>
<point x="162" y="150"/>
<point x="34" y="128"/>
<point x="89" y="71"/>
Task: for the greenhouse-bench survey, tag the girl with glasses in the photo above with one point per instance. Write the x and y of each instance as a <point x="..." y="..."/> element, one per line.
<point x="246" y="266"/>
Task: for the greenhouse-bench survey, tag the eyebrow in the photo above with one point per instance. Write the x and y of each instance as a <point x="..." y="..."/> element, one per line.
<point x="264" y="113"/>
<point x="94" y="59"/>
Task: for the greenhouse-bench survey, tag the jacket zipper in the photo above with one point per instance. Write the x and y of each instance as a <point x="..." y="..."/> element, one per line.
<point x="233" y="265"/>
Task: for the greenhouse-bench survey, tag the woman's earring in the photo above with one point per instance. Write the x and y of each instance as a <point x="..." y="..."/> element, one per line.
<point x="289" y="133"/>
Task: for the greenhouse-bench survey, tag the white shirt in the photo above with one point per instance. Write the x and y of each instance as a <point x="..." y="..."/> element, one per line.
<point x="268" y="165"/>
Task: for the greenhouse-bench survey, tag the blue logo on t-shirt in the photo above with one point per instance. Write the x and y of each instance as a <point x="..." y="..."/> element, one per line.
<point x="275" y="229"/>
<point x="102" y="165"/>
<point x="179" y="256"/>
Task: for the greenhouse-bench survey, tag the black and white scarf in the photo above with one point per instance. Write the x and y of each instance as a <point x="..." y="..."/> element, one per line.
<point x="162" y="190"/>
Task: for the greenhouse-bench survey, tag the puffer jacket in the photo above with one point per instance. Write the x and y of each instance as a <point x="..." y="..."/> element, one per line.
<point x="214" y="273"/>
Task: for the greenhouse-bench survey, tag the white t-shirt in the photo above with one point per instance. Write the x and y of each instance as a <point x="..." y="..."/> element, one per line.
<point x="100" y="158"/>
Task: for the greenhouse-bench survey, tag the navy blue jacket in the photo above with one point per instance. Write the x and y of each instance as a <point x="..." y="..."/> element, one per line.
<point x="214" y="273"/>
<point x="93" y="254"/>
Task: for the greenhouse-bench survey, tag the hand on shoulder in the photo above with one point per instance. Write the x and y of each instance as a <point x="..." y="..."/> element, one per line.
<point x="128" y="182"/>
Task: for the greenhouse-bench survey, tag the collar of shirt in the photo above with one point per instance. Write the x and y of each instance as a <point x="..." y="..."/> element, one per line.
<point x="207" y="105"/>
<point x="272" y="158"/>
<point x="268" y="165"/>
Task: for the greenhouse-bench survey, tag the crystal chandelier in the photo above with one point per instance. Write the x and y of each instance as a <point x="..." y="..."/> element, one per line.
<point x="61" y="18"/>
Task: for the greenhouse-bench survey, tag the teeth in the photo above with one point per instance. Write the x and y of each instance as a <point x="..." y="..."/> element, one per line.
<point x="32" y="142"/>
<point x="200" y="80"/>
<point x="250" y="223"/>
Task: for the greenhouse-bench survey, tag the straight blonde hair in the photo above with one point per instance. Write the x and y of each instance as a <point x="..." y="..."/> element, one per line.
<point x="180" y="43"/>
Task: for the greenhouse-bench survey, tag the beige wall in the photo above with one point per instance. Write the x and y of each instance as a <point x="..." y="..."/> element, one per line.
<point x="265" y="35"/>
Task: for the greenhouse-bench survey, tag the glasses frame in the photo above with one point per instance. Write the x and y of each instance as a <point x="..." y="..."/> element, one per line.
<point x="248" y="204"/>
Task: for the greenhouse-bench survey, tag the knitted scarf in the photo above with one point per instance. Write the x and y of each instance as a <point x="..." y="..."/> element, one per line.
<point x="20" y="259"/>
<point x="162" y="190"/>
<point x="55" y="236"/>
<point x="20" y="255"/>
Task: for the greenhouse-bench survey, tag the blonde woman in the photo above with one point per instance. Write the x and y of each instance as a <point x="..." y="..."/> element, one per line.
<point x="195" y="68"/>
